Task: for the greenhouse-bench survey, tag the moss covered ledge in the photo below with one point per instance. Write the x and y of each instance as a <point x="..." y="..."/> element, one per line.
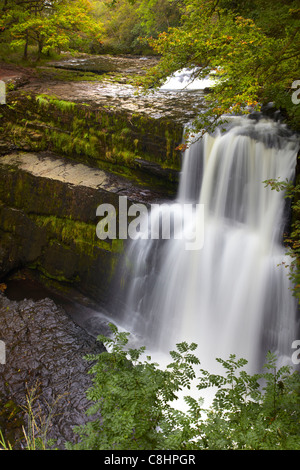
<point x="48" y="219"/>
<point x="137" y="146"/>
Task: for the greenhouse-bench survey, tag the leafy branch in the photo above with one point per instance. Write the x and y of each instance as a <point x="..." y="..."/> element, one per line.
<point x="132" y="403"/>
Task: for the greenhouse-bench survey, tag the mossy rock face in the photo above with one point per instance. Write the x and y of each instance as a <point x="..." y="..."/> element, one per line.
<point x="44" y="196"/>
<point x="53" y="247"/>
<point x="122" y="143"/>
<point x="86" y="267"/>
<point x="49" y="222"/>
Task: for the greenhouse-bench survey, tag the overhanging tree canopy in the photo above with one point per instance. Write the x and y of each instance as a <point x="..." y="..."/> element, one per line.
<point x="253" y="47"/>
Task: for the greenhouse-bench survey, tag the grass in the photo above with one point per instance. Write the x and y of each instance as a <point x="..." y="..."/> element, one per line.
<point x="14" y="55"/>
<point x="44" y="69"/>
<point x="35" y="436"/>
<point x="53" y="73"/>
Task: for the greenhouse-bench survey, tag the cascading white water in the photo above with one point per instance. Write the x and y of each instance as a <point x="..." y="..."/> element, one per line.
<point x="233" y="295"/>
<point x="183" y="80"/>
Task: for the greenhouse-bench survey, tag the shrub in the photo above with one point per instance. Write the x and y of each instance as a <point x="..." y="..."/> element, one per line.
<point x="132" y="403"/>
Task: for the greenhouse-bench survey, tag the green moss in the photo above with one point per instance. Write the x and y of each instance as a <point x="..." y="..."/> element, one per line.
<point x="67" y="75"/>
<point x="80" y="235"/>
<point x="117" y="246"/>
<point x="113" y="141"/>
<point x="42" y="101"/>
<point x="125" y="131"/>
<point x="58" y="276"/>
<point x="11" y="419"/>
<point x="76" y="237"/>
<point x="47" y="100"/>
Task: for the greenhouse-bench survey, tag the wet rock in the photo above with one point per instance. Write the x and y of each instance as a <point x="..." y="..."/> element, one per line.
<point x="48" y="219"/>
<point x="107" y="63"/>
<point x="45" y="350"/>
<point x="177" y="106"/>
<point x="113" y="86"/>
<point x="95" y="325"/>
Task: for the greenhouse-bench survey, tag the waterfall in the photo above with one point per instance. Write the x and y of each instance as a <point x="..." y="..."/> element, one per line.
<point x="233" y="294"/>
<point x="183" y="80"/>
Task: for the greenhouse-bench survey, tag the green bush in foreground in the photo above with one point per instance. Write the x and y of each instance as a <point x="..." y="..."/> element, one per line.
<point x="132" y="403"/>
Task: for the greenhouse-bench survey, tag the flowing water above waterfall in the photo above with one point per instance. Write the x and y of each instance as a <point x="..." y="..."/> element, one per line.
<point x="230" y="294"/>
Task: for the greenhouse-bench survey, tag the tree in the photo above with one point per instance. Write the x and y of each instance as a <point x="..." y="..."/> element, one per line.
<point x="56" y="24"/>
<point x="127" y="21"/>
<point x="253" y="48"/>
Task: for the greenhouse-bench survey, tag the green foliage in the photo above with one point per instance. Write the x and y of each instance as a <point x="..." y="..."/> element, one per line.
<point x="35" y="431"/>
<point x="132" y="403"/>
<point x="56" y="25"/>
<point x="132" y="396"/>
<point x="3" y="444"/>
<point x="128" y="22"/>
<point x="248" y="416"/>
<point x="292" y="239"/>
<point x="251" y="47"/>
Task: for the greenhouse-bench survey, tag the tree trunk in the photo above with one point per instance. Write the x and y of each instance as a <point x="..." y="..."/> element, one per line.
<point x="41" y="45"/>
<point x="25" y="55"/>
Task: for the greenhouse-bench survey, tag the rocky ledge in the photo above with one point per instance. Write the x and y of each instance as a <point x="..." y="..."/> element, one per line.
<point x="48" y="219"/>
<point x="45" y="353"/>
<point x="63" y="153"/>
